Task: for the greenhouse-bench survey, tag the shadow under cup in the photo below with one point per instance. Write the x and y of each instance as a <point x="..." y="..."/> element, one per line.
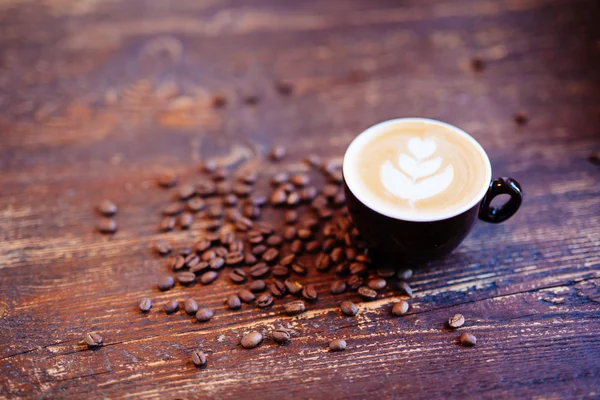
<point x="417" y="242"/>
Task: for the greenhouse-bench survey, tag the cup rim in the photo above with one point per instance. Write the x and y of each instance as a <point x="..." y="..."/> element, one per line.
<point x="372" y="131"/>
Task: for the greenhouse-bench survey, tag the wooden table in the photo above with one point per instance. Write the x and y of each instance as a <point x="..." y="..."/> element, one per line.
<point x="98" y="98"/>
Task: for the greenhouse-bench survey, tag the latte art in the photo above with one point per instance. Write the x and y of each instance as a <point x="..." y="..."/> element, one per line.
<point x="416" y="169"/>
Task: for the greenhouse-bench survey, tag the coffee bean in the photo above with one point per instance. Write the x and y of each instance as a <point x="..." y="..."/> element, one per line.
<point x="145" y="304"/>
<point x="248" y="177"/>
<point x="294" y="307"/>
<point x="242" y="190"/>
<point x="208" y="277"/>
<point x="270" y="256"/>
<point x="400" y="308"/>
<point x="246" y="296"/>
<point x="93" y="339"/>
<point x="172" y="306"/>
<point x="358" y="268"/>
<point x="184" y="251"/>
<point x="362" y="258"/>
<point x="377" y="284"/>
<point x="186" y="278"/>
<point x="404" y="274"/>
<point x="337" y="345"/>
<point x="329" y="231"/>
<point x="221" y="251"/>
<point x="199" y="358"/>
<point x="348" y="308"/>
<point x="354" y="282"/>
<point x="252" y="212"/>
<point x="200" y="268"/>
<point x="237" y="276"/>
<point x="216" y="263"/>
<point x="178" y="263"/>
<point x="312" y="161"/>
<point x="206" y="188"/>
<point x="328" y="245"/>
<point x="172" y="209"/>
<point x="338" y="287"/>
<point x="290" y="217"/>
<point x="185" y="220"/>
<point x="311" y="224"/>
<point x="249" y="258"/>
<point x="304" y="234"/>
<point x="277" y="288"/>
<point x="456" y="321"/>
<point x="243" y="224"/>
<point x="386" y="272"/>
<point x="107" y="208"/>
<point x="190" y="306"/>
<point x="265" y="228"/>
<point x="299" y="180"/>
<point x="467" y="339"/>
<point x="310" y="293"/>
<point x="330" y="191"/>
<point x="204" y="314"/>
<point x="342" y="269"/>
<point x="274" y="241"/>
<point x="220" y="174"/>
<point x="308" y="193"/>
<point x="167" y="180"/>
<point x="258" y="200"/>
<point x="297" y="247"/>
<point x="107" y="225"/>
<point x="258" y="286"/>
<point x="166" y="283"/>
<point x="287" y="260"/>
<point x="186" y="191"/>
<point x="293" y="287"/>
<point x="167" y="224"/>
<point x="254" y="236"/>
<point x="339" y="200"/>
<point x="226" y="237"/>
<point x="280" y="271"/>
<point x="323" y="262"/>
<point x="313" y="247"/>
<point x="318" y="202"/>
<point x="208" y="255"/>
<point x="259" y="270"/>
<point x="196" y="204"/>
<point x="163" y="248"/>
<point x="324" y="213"/>
<point x="278" y="197"/>
<point x="237" y="246"/>
<point x="289" y="233"/>
<point x="259" y="250"/>
<point x="350" y="254"/>
<point x="234" y="258"/>
<point x="280" y="178"/>
<point x="336" y="177"/>
<point x="366" y="293"/>
<point x="233" y="302"/>
<point x="214" y="212"/>
<point x="201" y="246"/>
<point x="280" y="336"/>
<point x="230" y="200"/>
<point x="277" y="153"/>
<point x="405" y="288"/>
<point x="209" y="166"/>
<point x="251" y="340"/>
<point x="264" y="300"/>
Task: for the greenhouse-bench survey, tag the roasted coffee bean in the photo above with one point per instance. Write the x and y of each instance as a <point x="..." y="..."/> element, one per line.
<point x="260" y="270"/>
<point x="366" y="293"/>
<point x="270" y="256"/>
<point x="313" y="247"/>
<point x="277" y="153"/>
<point x="258" y="286"/>
<point x="289" y="233"/>
<point x="172" y="209"/>
<point x="342" y="269"/>
<point x="226" y="237"/>
<point x="107" y="208"/>
<point x="318" y="202"/>
<point x="232" y="215"/>
<point x="277" y="288"/>
<point x="214" y="212"/>
<point x="304" y="234"/>
<point x="221" y="251"/>
<point x="312" y="161"/>
<point x="265" y="228"/>
<point x="196" y="204"/>
<point x="237" y="276"/>
<point x="186" y="278"/>
<point x="297" y="247"/>
<point x="216" y="263"/>
<point x="200" y="268"/>
<point x="230" y="200"/>
<point x="348" y="308"/>
<point x="184" y="251"/>
<point x="246" y="296"/>
<point x="199" y="358"/>
<point x="400" y="308"/>
<point x="254" y="236"/>
<point x="172" y="306"/>
<point x="234" y="258"/>
<point x="377" y="284"/>
<point x="280" y="271"/>
<point x="211" y="225"/>
<point x="178" y="263"/>
<point x="191" y="260"/>
<point x="308" y="193"/>
<point x="167" y="180"/>
<point x="354" y="282"/>
<point x="329" y="231"/>
<point x="337" y="255"/>
<point x="145" y="304"/>
<point x="337" y="345"/>
<point x="300" y="180"/>
<point x="163" y="248"/>
<point x="404" y="274"/>
<point x="249" y="258"/>
<point x="237" y="246"/>
<point x="467" y="339"/>
<point x="362" y="258"/>
<point x="208" y="277"/>
<point x="310" y="293"/>
<point x="280" y="336"/>
<point x="208" y="255"/>
<point x="350" y="254"/>
<point x="186" y="191"/>
<point x="280" y="178"/>
<point x="311" y="224"/>
<point x="258" y="200"/>
<point x="324" y="213"/>
<point x="405" y="288"/>
<point x="287" y="260"/>
<point x="209" y="166"/>
<point x="243" y="224"/>
<point x="252" y="212"/>
<point x="107" y="225"/>
<point x="294" y="307"/>
<point x="251" y="340"/>
<point x="293" y="199"/>
<point x="338" y="287"/>
<point x="330" y="191"/>
<point x="358" y="268"/>
<point x="259" y="250"/>
<point x="92" y="339"/>
<point x="190" y="306"/>
<point x="386" y="272"/>
<point x="339" y="200"/>
<point x="290" y="216"/>
<point x="299" y="268"/>
<point x="233" y="302"/>
<point x="293" y="287"/>
<point x="328" y="245"/>
<point x="220" y="174"/>
<point x="205" y="188"/>
<point x="166" y="283"/>
<point x="264" y="300"/>
<point x="456" y="321"/>
<point x="204" y="314"/>
<point x="248" y="177"/>
<point x="323" y="262"/>
<point x="201" y="246"/>
<point x="274" y="241"/>
<point x="336" y="177"/>
<point x="242" y="190"/>
<point x="278" y="197"/>
<point x="167" y="224"/>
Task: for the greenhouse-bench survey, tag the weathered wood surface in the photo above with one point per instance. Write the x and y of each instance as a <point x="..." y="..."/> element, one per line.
<point x="97" y="98"/>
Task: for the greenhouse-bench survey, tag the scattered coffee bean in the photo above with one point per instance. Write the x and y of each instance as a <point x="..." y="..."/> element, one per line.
<point x="264" y="300"/>
<point x="251" y="340"/>
<point x="265" y="228"/>
<point x="249" y="258"/>
<point x="167" y="180"/>
<point x="287" y="260"/>
<point x="259" y="250"/>
<point x="386" y="272"/>
<point x="337" y="345"/>
<point x="163" y="248"/>
<point x="280" y="178"/>
<point x="243" y="224"/>
<point x="456" y="321"/>
<point x="171" y="306"/>
<point x="206" y="188"/>
<point x="336" y="177"/>
<point x="204" y="314"/>
<point x="252" y="212"/>
<point x="299" y="268"/>
<point x="330" y="191"/>
<point x="258" y="200"/>
<point x="185" y="220"/>
<point x="270" y="256"/>
<point x="258" y="286"/>
<point x="277" y="289"/>
<point x="184" y="251"/>
<point x="289" y="233"/>
<point x="208" y="255"/>
<point x="400" y="308"/>
<point x="467" y="339"/>
<point x="248" y="177"/>
<point x="236" y="246"/>
<point x="280" y="271"/>
<point x="260" y="270"/>
<point x="178" y="263"/>
<point x="201" y="246"/>
<point x="310" y="293"/>
<point x="348" y="308"/>
<point x="277" y="153"/>
<point x="313" y="247"/>
<point x="107" y="208"/>
<point x="325" y="213"/>
<point x="246" y="296"/>
<point x="190" y="306"/>
<point x="318" y="202"/>
<point x="358" y="268"/>
<point x="242" y="190"/>
<point x="342" y="269"/>
<point x="354" y="282"/>
<point x="107" y="225"/>
<point x="186" y="278"/>
<point x="93" y="339"/>
<point x="294" y="307"/>
<point x="237" y="276"/>
<point x="220" y="174"/>
<point x="145" y="304"/>
<point x="233" y="302"/>
<point x="366" y="293"/>
<point x="323" y="262"/>
<point x="209" y="166"/>
<point x="312" y="161"/>
<point x="234" y="258"/>
<point x="405" y="288"/>
<point x="166" y="283"/>
<point x="299" y="180"/>
<point x="304" y="234"/>
<point x="230" y="200"/>
<point x="208" y="277"/>
<point x="338" y="287"/>
<point x="280" y="336"/>
<point x="339" y="200"/>
<point x="167" y="224"/>
<point x="308" y="193"/>
<point x="187" y="191"/>
<point x="172" y="209"/>
<point x="377" y="284"/>
<point x="350" y="254"/>
<point x="196" y="204"/>
<point x="274" y="241"/>
<point x="293" y="287"/>
<point x="278" y="197"/>
<point x="199" y="358"/>
<point x="200" y="268"/>
<point x="290" y="216"/>
<point x="404" y="274"/>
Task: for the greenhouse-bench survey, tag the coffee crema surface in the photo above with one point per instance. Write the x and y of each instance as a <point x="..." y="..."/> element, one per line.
<point x="417" y="169"/>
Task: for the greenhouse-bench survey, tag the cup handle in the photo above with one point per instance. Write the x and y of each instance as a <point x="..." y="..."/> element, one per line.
<point x="497" y="187"/>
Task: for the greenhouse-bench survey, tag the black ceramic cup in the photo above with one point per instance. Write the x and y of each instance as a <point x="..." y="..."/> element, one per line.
<point x="417" y="241"/>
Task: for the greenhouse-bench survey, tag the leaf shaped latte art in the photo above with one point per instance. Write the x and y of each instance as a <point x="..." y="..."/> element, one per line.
<point x="401" y="186"/>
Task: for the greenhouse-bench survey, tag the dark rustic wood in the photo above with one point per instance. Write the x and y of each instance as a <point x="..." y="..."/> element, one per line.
<point x="98" y="98"/>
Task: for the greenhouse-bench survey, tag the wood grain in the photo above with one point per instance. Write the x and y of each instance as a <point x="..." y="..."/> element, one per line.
<point x="97" y="98"/>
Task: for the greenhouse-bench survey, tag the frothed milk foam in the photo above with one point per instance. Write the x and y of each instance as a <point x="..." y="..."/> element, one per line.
<point x="417" y="169"/>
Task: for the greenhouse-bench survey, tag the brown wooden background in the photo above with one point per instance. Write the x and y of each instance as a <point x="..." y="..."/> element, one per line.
<point x="98" y="97"/>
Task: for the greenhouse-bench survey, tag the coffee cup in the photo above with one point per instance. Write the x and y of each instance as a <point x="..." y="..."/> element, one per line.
<point x="415" y="186"/>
